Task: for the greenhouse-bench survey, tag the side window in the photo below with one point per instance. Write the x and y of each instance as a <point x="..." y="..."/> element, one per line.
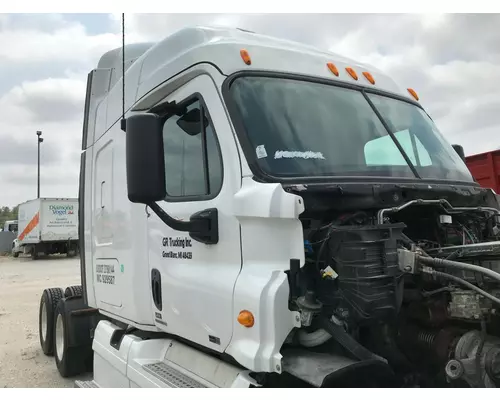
<point x="383" y="151"/>
<point x="193" y="163"/>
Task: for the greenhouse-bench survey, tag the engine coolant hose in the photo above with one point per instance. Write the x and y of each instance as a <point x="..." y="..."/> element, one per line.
<point x="348" y="342"/>
<point x="441" y="263"/>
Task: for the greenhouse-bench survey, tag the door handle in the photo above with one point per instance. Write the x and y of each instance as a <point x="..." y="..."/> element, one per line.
<point x="102" y="185"/>
<point x="156" y="288"/>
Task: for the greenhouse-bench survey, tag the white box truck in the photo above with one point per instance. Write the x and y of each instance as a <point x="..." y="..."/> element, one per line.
<point x="47" y="226"/>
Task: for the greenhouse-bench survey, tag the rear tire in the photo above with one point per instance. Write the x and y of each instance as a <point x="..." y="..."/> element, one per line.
<point x="73" y="291"/>
<point x="48" y="303"/>
<point x="72" y="251"/>
<point x="72" y="342"/>
<point x="15" y="255"/>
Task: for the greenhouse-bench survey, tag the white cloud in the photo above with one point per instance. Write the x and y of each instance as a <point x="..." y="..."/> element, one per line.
<point x="70" y="43"/>
<point x="48" y="100"/>
<point x="54" y="106"/>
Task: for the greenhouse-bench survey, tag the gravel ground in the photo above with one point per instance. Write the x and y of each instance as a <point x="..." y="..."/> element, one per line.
<point x="22" y="281"/>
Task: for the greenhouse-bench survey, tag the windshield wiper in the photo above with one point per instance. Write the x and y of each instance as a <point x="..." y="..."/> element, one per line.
<point x="389" y="131"/>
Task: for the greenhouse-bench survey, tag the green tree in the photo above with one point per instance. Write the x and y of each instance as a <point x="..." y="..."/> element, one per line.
<point x="7" y="214"/>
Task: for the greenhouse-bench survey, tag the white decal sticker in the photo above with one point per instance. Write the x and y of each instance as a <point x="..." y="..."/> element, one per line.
<point x="105" y="273"/>
<point x="299" y="154"/>
<point x="261" y="151"/>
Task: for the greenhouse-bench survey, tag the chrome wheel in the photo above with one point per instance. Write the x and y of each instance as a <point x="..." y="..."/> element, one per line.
<point x="44" y="326"/>
<point x="59" y="337"/>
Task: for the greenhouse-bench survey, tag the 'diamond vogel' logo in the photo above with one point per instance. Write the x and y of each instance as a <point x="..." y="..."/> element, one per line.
<point x="61" y="210"/>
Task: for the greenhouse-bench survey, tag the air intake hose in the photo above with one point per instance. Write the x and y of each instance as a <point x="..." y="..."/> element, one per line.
<point x="348" y="342"/>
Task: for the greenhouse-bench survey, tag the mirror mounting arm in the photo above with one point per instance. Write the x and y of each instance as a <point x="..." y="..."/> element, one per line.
<point x="202" y="226"/>
<point x="173" y="223"/>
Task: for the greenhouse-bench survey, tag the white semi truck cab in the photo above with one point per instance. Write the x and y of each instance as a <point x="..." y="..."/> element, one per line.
<point x="10" y="226"/>
<point x="255" y="212"/>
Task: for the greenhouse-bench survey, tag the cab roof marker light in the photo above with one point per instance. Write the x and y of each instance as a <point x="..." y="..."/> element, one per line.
<point x="245" y="57"/>
<point x="369" y="77"/>
<point x="413" y="93"/>
<point x="331" y="66"/>
<point x="351" y="72"/>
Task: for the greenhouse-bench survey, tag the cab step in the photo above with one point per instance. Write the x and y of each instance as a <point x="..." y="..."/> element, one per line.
<point x="159" y="363"/>
<point x="86" y="385"/>
<point x="171" y="376"/>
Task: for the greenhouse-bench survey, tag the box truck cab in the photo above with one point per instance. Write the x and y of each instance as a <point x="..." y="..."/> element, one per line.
<point x="242" y="206"/>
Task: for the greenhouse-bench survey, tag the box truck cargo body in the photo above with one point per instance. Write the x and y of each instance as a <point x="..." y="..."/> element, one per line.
<point x="485" y="168"/>
<point x="47" y="226"/>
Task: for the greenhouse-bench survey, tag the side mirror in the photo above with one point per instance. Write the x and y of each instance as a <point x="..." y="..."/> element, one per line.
<point x="460" y="151"/>
<point x="190" y="122"/>
<point x="145" y="160"/>
<point x="146" y="177"/>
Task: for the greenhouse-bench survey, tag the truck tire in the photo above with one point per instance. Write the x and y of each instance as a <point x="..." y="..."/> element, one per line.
<point x="15" y="254"/>
<point x="72" y="250"/>
<point x="73" y="291"/>
<point x="48" y="304"/>
<point x="72" y="339"/>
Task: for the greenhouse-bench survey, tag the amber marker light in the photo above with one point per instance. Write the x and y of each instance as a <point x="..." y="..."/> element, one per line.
<point x="245" y="57"/>
<point x="413" y="93"/>
<point x="351" y="72"/>
<point x="246" y="318"/>
<point x="333" y="68"/>
<point x="369" y="77"/>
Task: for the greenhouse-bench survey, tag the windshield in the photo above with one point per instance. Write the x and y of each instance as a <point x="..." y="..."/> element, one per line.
<point x="305" y="129"/>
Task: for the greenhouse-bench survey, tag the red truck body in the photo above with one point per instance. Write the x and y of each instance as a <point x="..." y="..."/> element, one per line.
<point x="485" y="168"/>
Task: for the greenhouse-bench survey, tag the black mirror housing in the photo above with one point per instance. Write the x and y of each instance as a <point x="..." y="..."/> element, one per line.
<point x="145" y="160"/>
<point x="190" y="122"/>
<point x="460" y="151"/>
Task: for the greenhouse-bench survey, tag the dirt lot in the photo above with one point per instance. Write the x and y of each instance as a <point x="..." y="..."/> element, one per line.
<point x="22" y="280"/>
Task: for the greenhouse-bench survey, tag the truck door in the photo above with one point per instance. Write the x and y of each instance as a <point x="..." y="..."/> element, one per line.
<point x="192" y="283"/>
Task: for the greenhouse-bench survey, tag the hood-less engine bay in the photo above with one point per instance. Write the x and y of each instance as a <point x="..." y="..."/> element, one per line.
<point x="413" y="286"/>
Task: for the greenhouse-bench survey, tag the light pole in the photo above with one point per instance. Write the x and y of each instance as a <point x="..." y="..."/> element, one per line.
<point x="40" y="140"/>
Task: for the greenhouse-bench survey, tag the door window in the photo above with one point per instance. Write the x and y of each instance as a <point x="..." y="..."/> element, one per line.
<point x="193" y="163"/>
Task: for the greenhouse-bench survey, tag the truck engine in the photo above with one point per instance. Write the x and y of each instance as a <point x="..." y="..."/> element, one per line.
<point x="416" y="284"/>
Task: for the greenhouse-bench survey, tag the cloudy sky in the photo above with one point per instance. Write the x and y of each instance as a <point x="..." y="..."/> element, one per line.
<point x="452" y="60"/>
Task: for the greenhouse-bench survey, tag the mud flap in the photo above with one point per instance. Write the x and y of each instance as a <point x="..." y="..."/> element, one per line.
<point x="331" y="370"/>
